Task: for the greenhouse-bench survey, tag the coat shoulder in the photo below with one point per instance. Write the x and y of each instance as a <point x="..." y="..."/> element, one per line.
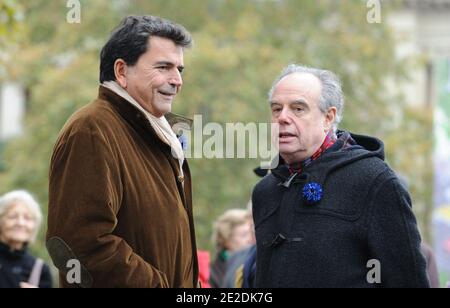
<point x="366" y="172"/>
<point x="98" y="115"/>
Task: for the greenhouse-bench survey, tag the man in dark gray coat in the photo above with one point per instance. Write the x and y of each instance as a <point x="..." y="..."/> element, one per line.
<point x="332" y="214"/>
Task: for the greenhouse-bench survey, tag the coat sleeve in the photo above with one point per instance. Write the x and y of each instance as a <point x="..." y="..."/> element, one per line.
<point x="394" y="239"/>
<point x="85" y="194"/>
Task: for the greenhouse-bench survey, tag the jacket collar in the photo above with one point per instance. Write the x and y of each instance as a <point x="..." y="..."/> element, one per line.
<point x="342" y="153"/>
<point x="135" y="117"/>
<point x="6" y="251"/>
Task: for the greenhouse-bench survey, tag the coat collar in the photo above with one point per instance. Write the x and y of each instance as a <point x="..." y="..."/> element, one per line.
<point x="12" y="254"/>
<point x="347" y="149"/>
<point x="135" y="117"/>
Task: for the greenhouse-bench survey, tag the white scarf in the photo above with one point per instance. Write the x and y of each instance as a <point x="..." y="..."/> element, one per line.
<point x="160" y="125"/>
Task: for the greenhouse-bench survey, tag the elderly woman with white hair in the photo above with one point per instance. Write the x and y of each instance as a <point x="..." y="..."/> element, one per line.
<point x="20" y="219"/>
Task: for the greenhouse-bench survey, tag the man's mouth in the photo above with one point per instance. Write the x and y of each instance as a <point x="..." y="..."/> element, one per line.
<point x="167" y="94"/>
<point x="286" y="134"/>
<point x="286" y="137"/>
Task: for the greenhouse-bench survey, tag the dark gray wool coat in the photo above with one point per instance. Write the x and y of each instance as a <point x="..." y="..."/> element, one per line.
<point x="364" y="214"/>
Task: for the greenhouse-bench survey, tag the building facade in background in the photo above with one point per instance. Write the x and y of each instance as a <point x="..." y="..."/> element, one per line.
<point x="422" y="28"/>
<point x="12" y="110"/>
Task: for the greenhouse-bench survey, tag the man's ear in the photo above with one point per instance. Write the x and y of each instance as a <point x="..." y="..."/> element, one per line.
<point x="120" y="71"/>
<point x="330" y="117"/>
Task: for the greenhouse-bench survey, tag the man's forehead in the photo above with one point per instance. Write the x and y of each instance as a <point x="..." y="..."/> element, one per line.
<point x="299" y="81"/>
<point x="165" y="50"/>
<point x="298" y="84"/>
<point x="158" y="42"/>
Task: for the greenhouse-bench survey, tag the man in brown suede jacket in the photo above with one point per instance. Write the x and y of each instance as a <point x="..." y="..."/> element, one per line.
<point x="120" y="201"/>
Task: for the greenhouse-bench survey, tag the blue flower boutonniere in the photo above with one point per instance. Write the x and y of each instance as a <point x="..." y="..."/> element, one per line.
<point x="184" y="142"/>
<point x="312" y="192"/>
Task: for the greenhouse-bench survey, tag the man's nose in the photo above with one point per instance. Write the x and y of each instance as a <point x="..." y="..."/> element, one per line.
<point x="175" y="79"/>
<point x="284" y="117"/>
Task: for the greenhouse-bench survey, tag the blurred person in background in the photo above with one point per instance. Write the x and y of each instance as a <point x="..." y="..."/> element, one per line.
<point x="20" y="219"/>
<point x="234" y="267"/>
<point x="427" y="251"/>
<point x="232" y="232"/>
<point x="204" y="265"/>
<point x="432" y="269"/>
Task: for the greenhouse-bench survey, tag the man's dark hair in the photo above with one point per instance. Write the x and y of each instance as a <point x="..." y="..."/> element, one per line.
<point x="130" y="40"/>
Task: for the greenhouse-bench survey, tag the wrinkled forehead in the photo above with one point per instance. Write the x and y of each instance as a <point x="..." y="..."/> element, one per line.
<point x="297" y="86"/>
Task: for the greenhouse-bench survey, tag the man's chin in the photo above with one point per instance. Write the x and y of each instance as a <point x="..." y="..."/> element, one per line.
<point x="165" y="107"/>
<point x="286" y="149"/>
<point x="291" y="155"/>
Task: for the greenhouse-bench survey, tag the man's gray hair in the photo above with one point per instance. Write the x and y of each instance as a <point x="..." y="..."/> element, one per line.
<point x="331" y="94"/>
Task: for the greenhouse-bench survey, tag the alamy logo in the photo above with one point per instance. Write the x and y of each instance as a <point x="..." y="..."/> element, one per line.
<point x="230" y="141"/>
<point x="374" y="13"/>
<point x="74" y="271"/>
<point x="374" y="274"/>
<point x="74" y="14"/>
